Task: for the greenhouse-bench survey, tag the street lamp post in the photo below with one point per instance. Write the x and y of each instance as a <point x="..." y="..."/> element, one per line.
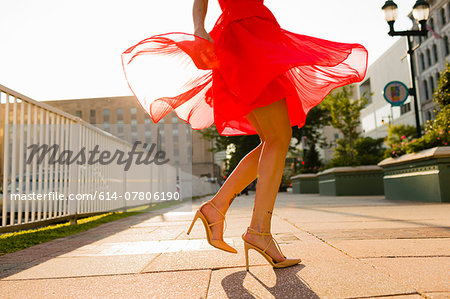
<point x="421" y="11"/>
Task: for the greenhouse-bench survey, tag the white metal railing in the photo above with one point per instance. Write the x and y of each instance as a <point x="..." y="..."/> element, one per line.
<point x="24" y="122"/>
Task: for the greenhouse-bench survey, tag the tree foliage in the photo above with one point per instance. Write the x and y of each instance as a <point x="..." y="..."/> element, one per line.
<point x="316" y="119"/>
<point x="242" y="145"/>
<point x="345" y="112"/>
<point x="442" y="94"/>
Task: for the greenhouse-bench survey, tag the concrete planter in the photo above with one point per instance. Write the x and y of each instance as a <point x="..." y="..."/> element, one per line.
<point x="307" y="183"/>
<point x="359" y="180"/>
<point x="422" y="176"/>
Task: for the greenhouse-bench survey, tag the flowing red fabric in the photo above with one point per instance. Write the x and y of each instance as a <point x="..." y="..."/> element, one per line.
<point x="252" y="63"/>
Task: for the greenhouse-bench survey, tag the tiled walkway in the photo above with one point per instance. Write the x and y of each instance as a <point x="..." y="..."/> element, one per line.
<point x="351" y="247"/>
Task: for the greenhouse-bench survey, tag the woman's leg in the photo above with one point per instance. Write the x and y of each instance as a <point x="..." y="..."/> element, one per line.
<point x="273" y="120"/>
<point x="242" y="176"/>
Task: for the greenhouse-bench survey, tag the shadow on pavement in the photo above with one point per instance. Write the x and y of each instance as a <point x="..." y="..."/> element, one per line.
<point x="288" y="284"/>
<point x="19" y="261"/>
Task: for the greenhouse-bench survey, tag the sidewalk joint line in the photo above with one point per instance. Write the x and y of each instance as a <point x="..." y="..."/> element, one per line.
<point x="209" y="283"/>
<point x="386" y="295"/>
<point x="203" y="269"/>
<point x="402" y="256"/>
<point x="148" y="264"/>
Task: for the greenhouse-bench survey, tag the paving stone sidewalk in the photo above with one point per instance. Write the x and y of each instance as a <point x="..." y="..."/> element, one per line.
<point x="351" y="247"/>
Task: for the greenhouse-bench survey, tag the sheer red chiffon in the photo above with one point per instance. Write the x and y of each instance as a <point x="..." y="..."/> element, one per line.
<point x="252" y="63"/>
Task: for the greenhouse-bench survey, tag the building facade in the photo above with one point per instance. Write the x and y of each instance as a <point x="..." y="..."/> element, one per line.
<point x="432" y="54"/>
<point x="393" y="65"/>
<point x="125" y="118"/>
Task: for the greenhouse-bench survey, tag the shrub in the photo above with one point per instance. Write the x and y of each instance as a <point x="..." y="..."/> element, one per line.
<point x="437" y="131"/>
<point x="367" y="151"/>
<point x="398" y="136"/>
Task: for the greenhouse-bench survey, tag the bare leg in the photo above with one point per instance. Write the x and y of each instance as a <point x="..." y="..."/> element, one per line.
<point x="274" y="122"/>
<point x="244" y="173"/>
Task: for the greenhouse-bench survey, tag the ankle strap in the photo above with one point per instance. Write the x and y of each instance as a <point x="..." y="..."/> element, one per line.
<point x="253" y="231"/>
<point x="214" y="206"/>
<point x="220" y="212"/>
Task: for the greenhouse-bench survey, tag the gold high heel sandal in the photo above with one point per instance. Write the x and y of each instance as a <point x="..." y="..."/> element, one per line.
<point x="219" y="244"/>
<point x="247" y="245"/>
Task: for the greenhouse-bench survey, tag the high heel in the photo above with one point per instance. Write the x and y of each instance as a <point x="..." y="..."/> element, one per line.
<point x="247" y="245"/>
<point x="219" y="244"/>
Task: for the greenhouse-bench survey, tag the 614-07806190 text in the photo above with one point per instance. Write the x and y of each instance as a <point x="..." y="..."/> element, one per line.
<point x="102" y="195"/>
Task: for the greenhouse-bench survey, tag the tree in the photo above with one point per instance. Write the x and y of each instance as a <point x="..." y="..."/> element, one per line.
<point x="442" y="94"/>
<point x="345" y="116"/>
<point x="316" y="119"/>
<point x="242" y="145"/>
<point x="345" y="113"/>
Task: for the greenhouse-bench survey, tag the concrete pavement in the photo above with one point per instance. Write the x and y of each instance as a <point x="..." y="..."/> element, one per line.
<point x="351" y="247"/>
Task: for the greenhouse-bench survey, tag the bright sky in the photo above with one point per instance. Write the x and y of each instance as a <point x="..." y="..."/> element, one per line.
<point x="67" y="49"/>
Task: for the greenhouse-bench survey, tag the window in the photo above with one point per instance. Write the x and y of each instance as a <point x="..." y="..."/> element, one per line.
<point x="175" y="134"/>
<point x="427" y="91"/>
<point x="133" y="113"/>
<point x="92" y="116"/>
<point x="364" y="89"/>
<point x="162" y="135"/>
<point x="174" y="119"/>
<point x="422" y="61"/>
<point x="429" y="57"/>
<point x="106" y="119"/>
<point x="447" y="46"/>
<point x="405" y="108"/>
<point x="105" y="115"/>
<point x="435" y="52"/>
<point x="428" y="115"/>
<point x="443" y="18"/>
<point x="78" y="113"/>
<point x="431" y="83"/>
<point x="148" y="136"/>
<point x="120" y="126"/>
<point x="119" y="114"/>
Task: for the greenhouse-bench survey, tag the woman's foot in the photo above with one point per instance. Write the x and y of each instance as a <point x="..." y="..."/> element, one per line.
<point x="212" y="216"/>
<point x="262" y="242"/>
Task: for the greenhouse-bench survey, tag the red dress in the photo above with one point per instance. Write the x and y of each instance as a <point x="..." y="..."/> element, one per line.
<point x="253" y="62"/>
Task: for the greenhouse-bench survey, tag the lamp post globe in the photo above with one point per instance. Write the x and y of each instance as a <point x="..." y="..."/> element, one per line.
<point x="390" y="10"/>
<point x="421" y="10"/>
